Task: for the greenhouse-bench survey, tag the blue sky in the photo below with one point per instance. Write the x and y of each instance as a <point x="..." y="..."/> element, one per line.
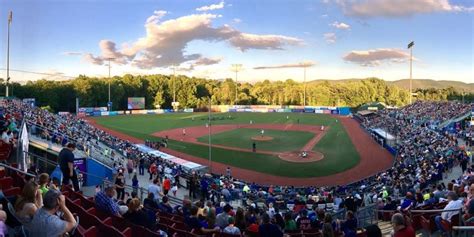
<point x="338" y="38"/>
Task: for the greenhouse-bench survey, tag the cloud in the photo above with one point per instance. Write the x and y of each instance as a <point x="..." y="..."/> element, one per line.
<point x="324" y="15"/>
<point x="398" y="8"/>
<point x="376" y="57"/>
<point x="206" y="61"/>
<point x="157" y="15"/>
<point x="88" y="57"/>
<point x="330" y="38"/>
<point x="71" y="53"/>
<point x="211" y="7"/>
<point x="165" y="42"/>
<point x="236" y="20"/>
<point x="291" y="65"/>
<point x="341" y="25"/>
<point x="245" y="41"/>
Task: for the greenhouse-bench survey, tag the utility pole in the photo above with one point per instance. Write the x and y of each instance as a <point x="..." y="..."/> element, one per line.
<point x="410" y="46"/>
<point x="10" y="18"/>
<point x="304" y="86"/>
<point x="209" y="123"/>
<point x="236" y="68"/>
<point x="109" y="105"/>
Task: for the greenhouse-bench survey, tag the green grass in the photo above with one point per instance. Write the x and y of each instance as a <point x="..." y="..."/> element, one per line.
<point x="338" y="150"/>
<point x="242" y="138"/>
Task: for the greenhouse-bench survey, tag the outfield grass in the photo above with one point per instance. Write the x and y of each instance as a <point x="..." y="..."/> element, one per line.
<point x="242" y="138"/>
<point x="339" y="152"/>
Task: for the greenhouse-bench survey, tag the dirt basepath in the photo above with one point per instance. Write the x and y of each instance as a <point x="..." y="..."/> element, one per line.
<point x="373" y="159"/>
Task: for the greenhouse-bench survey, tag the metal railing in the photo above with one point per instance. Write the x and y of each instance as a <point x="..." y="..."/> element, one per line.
<point x="97" y="152"/>
<point x="44" y="164"/>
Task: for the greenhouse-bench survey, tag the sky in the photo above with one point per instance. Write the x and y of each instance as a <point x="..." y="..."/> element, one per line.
<point x="270" y="39"/>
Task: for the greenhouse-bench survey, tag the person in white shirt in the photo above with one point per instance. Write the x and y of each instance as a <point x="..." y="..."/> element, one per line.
<point x="454" y="203"/>
<point x="5" y="137"/>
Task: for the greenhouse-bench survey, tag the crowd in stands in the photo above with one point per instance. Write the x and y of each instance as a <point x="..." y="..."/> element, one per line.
<point x="425" y="156"/>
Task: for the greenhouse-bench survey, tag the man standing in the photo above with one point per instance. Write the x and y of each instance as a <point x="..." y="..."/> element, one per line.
<point x="262" y="132"/>
<point x="45" y="222"/>
<point x="66" y="163"/>
<point x="254" y="147"/>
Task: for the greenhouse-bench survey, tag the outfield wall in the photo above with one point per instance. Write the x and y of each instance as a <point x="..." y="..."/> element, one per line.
<point x="344" y="111"/>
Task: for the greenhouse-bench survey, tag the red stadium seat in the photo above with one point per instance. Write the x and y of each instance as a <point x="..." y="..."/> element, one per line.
<point x="6" y="182"/>
<point x="15" y="191"/>
<point x="82" y="232"/>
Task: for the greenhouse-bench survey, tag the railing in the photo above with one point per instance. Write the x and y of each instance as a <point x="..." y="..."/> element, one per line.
<point x="17" y="170"/>
<point x="95" y="151"/>
<point x="44" y="164"/>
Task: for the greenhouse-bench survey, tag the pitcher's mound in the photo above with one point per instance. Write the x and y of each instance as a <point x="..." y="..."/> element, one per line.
<point x="262" y="138"/>
<point x="297" y="156"/>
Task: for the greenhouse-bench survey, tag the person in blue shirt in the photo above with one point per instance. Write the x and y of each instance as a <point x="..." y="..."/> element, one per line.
<point x="204" y="189"/>
<point x="267" y="229"/>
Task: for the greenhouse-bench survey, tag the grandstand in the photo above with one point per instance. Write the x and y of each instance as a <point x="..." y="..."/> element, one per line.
<point x="432" y="176"/>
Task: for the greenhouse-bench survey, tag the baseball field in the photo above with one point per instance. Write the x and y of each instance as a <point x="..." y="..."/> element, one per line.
<point x="271" y="148"/>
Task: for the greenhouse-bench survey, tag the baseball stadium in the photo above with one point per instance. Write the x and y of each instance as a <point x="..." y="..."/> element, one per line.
<point x="236" y="119"/>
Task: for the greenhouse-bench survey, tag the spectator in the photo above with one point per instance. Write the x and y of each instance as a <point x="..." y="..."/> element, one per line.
<point x="453" y="203"/>
<point x="135" y="183"/>
<point x="303" y="222"/>
<point x="349" y="226"/>
<point x="150" y="202"/>
<point x="66" y="163"/>
<point x="104" y="202"/>
<point x="240" y="219"/>
<point x="120" y="186"/>
<point x="43" y="183"/>
<point x="400" y="229"/>
<point x="46" y="223"/>
<point x="327" y="230"/>
<point x="267" y="229"/>
<point x="28" y="202"/>
<point x="290" y="224"/>
<point x="137" y="215"/>
<point x="192" y="222"/>
<point x="231" y="228"/>
<point x="164" y="206"/>
<point x="166" y="185"/>
<point x="222" y="219"/>
<point x="155" y="189"/>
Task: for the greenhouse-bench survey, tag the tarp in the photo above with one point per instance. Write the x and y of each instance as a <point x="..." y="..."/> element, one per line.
<point x="383" y="133"/>
<point x="184" y="163"/>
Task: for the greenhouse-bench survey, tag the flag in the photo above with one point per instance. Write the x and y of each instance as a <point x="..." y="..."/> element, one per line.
<point x="25" y="143"/>
<point x="411" y="44"/>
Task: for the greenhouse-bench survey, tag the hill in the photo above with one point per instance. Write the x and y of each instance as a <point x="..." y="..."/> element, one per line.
<point x="417" y="84"/>
<point x="427" y="83"/>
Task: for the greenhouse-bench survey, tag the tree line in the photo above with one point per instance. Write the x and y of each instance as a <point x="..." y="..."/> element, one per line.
<point x="159" y="91"/>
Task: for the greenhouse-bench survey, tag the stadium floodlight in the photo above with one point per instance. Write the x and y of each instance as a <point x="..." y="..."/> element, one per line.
<point x="410" y="46"/>
<point x="236" y="68"/>
<point x="10" y="18"/>
<point x="305" y="65"/>
<point x="109" y="103"/>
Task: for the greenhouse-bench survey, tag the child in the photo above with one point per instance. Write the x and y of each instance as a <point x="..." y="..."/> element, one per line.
<point x="135" y="183"/>
<point x="174" y="189"/>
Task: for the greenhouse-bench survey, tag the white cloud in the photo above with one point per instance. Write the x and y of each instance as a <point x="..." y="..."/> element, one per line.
<point x="330" y="38"/>
<point x="290" y="65"/>
<point x="71" y="53"/>
<point x="341" y="25"/>
<point x="324" y="15"/>
<point x="211" y="7"/>
<point x="245" y="41"/>
<point x="376" y="57"/>
<point x="397" y="8"/>
<point x="165" y="42"/>
<point x="236" y="20"/>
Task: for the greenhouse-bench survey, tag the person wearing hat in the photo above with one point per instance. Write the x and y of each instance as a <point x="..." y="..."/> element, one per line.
<point x="446" y="216"/>
<point x="46" y="223"/>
